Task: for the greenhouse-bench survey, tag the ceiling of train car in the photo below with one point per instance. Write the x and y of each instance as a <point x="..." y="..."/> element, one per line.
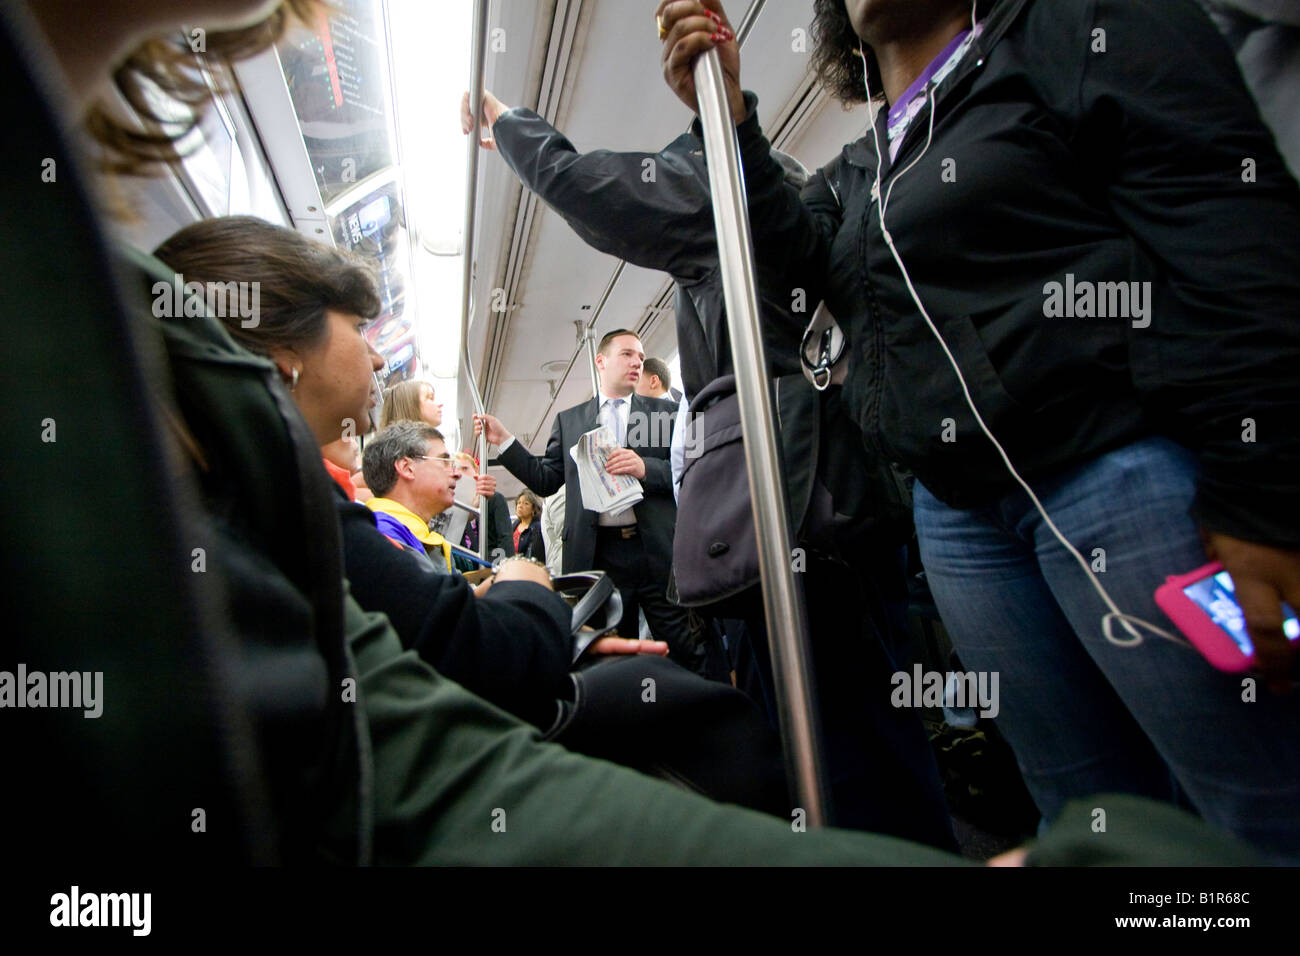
<point x="592" y="68"/>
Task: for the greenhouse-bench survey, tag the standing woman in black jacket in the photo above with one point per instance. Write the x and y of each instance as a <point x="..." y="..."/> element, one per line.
<point x="1084" y="214"/>
<point x="528" y="528"/>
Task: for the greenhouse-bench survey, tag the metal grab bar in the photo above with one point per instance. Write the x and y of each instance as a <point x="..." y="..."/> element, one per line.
<point x="582" y="347"/>
<point x="783" y="605"/>
<point x="478" y="52"/>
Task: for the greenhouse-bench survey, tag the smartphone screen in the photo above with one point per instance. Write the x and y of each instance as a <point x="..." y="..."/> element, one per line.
<point x="1214" y="596"/>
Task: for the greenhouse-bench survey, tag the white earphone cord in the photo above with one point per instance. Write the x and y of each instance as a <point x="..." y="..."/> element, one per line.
<point x="1127" y="620"/>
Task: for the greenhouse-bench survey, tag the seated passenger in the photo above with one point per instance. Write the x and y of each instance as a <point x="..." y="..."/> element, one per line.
<point x="413" y="478"/>
<point x="513" y="646"/>
<point x="342" y="461"/>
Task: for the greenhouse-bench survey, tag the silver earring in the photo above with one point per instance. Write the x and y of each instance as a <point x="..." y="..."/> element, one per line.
<point x="293" y="380"/>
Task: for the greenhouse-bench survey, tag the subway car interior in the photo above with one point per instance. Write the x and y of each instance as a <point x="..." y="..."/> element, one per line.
<point x="613" y="432"/>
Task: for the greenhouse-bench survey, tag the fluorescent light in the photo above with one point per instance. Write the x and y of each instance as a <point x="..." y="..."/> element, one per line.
<point x="430" y="44"/>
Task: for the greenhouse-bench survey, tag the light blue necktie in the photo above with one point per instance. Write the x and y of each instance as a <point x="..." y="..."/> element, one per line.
<point x="616" y="420"/>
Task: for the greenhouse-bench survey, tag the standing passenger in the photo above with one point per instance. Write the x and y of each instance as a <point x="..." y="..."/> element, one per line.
<point x="499" y="540"/>
<point x="846" y="509"/>
<point x="410" y="401"/>
<point x="553" y="532"/>
<point x="1087" y="144"/>
<point x="634" y="545"/>
<point x="657" y="381"/>
<point x="528" y="527"/>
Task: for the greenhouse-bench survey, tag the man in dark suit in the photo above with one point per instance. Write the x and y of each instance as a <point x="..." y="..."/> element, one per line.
<point x="634" y="545"/>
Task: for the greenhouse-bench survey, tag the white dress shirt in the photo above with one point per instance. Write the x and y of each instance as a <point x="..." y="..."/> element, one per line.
<point x="677" y="451"/>
<point x="618" y="425"/>
<point x="615" y="418"/>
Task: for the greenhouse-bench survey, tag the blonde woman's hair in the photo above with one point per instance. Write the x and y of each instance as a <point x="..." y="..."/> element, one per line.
<point x="402" y="403"/>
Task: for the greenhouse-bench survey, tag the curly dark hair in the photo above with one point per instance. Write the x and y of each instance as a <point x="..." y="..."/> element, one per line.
<point x="836" y="59"/>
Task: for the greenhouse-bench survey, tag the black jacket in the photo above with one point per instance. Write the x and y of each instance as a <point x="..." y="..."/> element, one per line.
<point x="510" y="646"/>
<point x="500" y="537"/>
<point x="1052" y="163"/>
<point x="656" y="514"/>
<point x="667" y="224"/>
<point x="530" y="541"/>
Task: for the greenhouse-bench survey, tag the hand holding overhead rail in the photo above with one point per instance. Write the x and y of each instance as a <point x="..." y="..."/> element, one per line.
<point x="712" y="82"/>
<point x="477" y="55"/>
<point x="490" y="428"/>
<point x="492" y="108"/>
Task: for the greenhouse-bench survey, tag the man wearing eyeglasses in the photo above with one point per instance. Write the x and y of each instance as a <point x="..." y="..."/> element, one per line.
<point x="413" y="477"/>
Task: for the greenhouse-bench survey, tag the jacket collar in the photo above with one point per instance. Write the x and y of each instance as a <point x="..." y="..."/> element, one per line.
<point x="414" y="524"/>
<point x="417" y="525"/>
<point x="594" y="404"/>
<point x="862" y="153"/>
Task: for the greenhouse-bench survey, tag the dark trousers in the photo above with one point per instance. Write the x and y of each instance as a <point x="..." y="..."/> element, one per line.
<point x="880" y="769"/>
<point x="625" y="560"/>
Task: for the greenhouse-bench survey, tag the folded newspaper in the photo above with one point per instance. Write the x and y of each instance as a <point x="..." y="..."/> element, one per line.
<point x="601" y="491"/>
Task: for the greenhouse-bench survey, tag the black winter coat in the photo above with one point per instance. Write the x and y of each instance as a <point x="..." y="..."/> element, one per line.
<point x="1052" y="165"/>
<point x="530" y="542"/>
<point x="654" y="210"/>
<point x="500" y="538"/>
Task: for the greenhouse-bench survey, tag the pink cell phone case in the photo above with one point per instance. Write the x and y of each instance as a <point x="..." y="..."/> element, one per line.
<point x="1211" y="640"/>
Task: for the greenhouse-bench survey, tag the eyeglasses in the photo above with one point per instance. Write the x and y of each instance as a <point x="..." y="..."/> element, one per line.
<point x="447" y="460"/>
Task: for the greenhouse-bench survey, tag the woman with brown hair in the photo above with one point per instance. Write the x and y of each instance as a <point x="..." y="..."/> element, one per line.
<point x="410" y="401"/>
<point x="528" y="527"/>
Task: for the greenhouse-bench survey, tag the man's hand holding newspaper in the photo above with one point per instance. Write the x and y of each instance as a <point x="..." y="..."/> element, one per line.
<point x="602" y="491"/>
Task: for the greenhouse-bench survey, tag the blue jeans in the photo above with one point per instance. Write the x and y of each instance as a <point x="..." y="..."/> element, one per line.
<point x="1083" y="715"/>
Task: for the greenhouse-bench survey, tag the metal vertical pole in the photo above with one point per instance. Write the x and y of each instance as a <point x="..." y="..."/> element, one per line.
<point x="478" y="53"/>
<point x="590" y="336"/>
<point x="787" y="627"/>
